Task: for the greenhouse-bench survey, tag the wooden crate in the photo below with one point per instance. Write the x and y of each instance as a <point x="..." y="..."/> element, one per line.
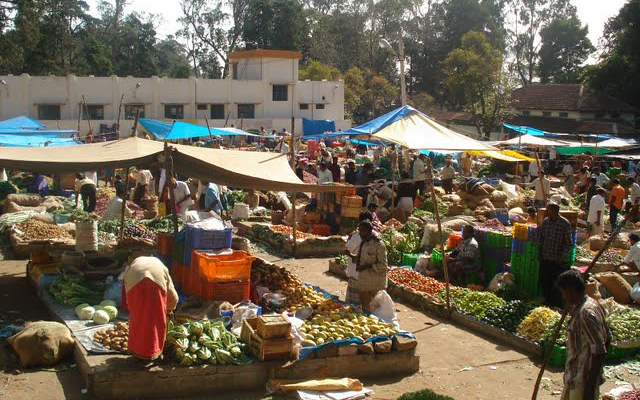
<point x="350" y="212"/>
<point x="248" y="330"/>
<point x="351" y="201"/>
<point x="271" y="349"/>
<point x="273" y="326"/>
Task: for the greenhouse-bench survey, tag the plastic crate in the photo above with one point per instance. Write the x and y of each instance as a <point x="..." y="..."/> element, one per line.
<point x="621" y="352"/>
<point x="558" y="356"/>
<point x="198" y="238"/>
<point x="410" y="259"/>
<point x="178" y="250"/>
<point x="164" y="244"/>
<point x="231" y="291"/>
<point x="221" y="267"/>
<point x="177" y="273"/>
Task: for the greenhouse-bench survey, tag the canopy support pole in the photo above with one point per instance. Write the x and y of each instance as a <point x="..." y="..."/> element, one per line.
<point x="168" y="159"/>
<point x="436" y="214"/>
<point x="294" y="228"/>
<point x="544" y="193"/>
<point x="124" y="205"/>
<point x="135" y="124"/>
<point x="206" y="120"/>
<point x="119" y="114"/>
<point x="86" y="109"/>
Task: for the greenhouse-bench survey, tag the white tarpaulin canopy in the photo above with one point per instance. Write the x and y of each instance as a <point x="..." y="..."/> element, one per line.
<point x="617" y="143"/>
<point x="531" y="141"/>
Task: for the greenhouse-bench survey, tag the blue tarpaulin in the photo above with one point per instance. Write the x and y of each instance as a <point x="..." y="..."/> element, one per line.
<point x="182" y="130"/>
<point x="21" y="122"/>
<point x="526" y="130"/>
<point x="317" y="126"/>
<point x="538" y="132"/>
<point x="35" y="141"/>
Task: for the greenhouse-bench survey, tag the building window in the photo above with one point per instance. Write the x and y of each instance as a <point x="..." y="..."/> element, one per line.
<point x="202" y="107"/>
<point x="49" y="112"/>
<point x="563" y="114"/>
<point x="217" y="111"/>
<point x="280" y="92"/>
<point x="319" y="106"/>
<point x="304" y="106"/>
<point x="546" y="113"/>
<point x="234" y="70"/>
<point x="130" y="111"/>
<point x="246" y="111"/>
<point x="174" y="111"/>
<point x="526" y="113"/>
<point x="93" y="111"/>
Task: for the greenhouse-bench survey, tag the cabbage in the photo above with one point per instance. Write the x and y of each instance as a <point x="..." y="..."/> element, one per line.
<point x="86" y="313"/>
<point x="81" y="306"/>
<point x="112" y="311"/>
<point x="195" y="328"/>
<point x="180" y="331"/>
<point x="105" y="303"/>
<point x="98" y="307"/>
<point x="101" y="317"/>
<point x="203" y="353"/>
<point x="193" y="347"/>
<point x="182" y="344"/>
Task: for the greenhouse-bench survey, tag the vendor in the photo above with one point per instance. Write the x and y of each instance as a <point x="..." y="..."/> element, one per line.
<point x="251" y="199"/>
<point x="419" y="173"/>
<point x="143" y="179"/>
<point x="352" y="246"/>
<point x="384" y="194"/>
<point x="632" y="259"/>
<point x="39" y="185"/>
<point x="149" y="295"/>
<point x="554" y="243"/>
<point x="114" y="207"/>
<point x="210" y="198"/>
<point x="375" y="220"/>
<point x="86" y="188"/>
<point x="448" y="174"/>
<point x="183" y="197"/>
<point x="542" y="187"/>
<point x="532" y="215"/>
<point x="465" y="259"/>
<point x="371" y="264"/>
<point x="407" y="193"/>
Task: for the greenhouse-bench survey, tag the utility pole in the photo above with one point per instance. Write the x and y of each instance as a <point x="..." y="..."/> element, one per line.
<point x="403" y="85"/>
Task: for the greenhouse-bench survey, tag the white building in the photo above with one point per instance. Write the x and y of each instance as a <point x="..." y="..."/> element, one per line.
<point x="262" y="90"/>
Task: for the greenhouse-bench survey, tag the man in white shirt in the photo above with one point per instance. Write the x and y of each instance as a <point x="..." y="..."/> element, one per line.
<point x="419" y="173"/>
<point x="324" y="176"/>
<point x="542" y="186"/>
<point x="552" y="153"/>
<point x="632" y="259"/>
<point x="601" y="178"/>
<point x="634" y="190"/>
<point x="86" y="188"/>
<point x="448" y="174"/>
<point x="569" y="181"/>
<point x="533" y="170"/>
<point x="183" y="197"/>
<point x="143" y="179"/>
<point x="596" y="213"/>
<point x="114" y="207"/>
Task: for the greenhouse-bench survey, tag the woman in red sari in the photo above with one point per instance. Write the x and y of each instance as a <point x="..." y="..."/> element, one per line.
<point x="149" y="295"/>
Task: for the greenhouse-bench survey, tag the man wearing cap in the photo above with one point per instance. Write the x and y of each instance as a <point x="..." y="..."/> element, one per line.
<point x="554" y="243"/>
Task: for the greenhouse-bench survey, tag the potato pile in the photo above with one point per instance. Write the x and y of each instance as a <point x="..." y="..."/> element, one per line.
<point x="115" y="338"/>
<point x="38" y="230"/>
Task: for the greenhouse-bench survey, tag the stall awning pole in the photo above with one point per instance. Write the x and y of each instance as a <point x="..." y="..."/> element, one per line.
<point x="124" y="205"/>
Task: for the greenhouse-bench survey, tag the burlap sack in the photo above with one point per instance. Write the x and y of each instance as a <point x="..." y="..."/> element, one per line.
<point x="616" y="285"/>
<point x="42" y="343"/>
<point x="25" y="200"/>
<point x="592" y="289"/>
<point x="499" y="196"/>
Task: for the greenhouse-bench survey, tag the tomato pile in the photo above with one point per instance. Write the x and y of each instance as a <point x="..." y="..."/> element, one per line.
<point x="288" y="231"/>
<point x="415" y="281"/>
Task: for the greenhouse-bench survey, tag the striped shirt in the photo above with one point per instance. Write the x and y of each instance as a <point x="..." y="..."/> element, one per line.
<point x="587" y="335"/>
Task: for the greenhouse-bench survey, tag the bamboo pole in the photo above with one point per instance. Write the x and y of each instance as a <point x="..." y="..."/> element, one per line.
<point x="541" y="179"/>
<point x="168" y="159"/>
<point x="124" y="205"/>
<point x="119" y="114"/>
<point x="86" y="109"/>
<point x="294" y="228"/>
<point x="436" y="213"/>
<point x="556" y="331"/>
<point x="206" y="121"/>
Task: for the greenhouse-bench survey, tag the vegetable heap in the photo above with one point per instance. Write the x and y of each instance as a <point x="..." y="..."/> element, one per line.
<point x="101" y="314"/>
<point x="288" y="231"/>
<point x="562" y="335"/>
<point x="472" y="302"/>
<point x="115" y="338"/>
<point x="507" y="316"/>
<point x="416" y="281"/>
<point x="71" y="291"/>
<point x="341" y="260"/>
<point x="624" y="324"/>
<point x="343" y="325"/>
<point x="205" y="342"/>
<point x="38" y="230"/>
<point x="274" y="277"/>
<point x="162" y="224"/>
<point x="535" y="324"/>
<point x="305" y="296"/>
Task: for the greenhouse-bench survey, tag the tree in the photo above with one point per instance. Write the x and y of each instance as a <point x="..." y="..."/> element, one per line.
<point x="171" y="59"/>
<point x="476" y="81"/>
<point x="317" y="71"/>
<point x="275" y="24"/>
<point x="530" y="17"/>
<point x="565" y="47"/>
<point x="618" y="72"/>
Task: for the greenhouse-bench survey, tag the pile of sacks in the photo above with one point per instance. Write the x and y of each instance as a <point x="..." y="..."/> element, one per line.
<point x="484" y="199"/>
<point x="25" y="202"/>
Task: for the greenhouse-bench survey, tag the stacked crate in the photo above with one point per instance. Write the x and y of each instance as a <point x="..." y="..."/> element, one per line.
<point x="351" y="207"/>
<point x="219" y="277"/>
<point x="268" y="336"/>
<point x="495" y="251"/>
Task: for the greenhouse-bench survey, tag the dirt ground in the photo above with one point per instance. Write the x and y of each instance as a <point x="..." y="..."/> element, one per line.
<point x="453" y="361"/>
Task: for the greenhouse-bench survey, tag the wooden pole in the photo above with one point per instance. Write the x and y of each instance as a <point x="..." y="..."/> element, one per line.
<point x="119" y="114"/>
<point x="556" y="331"/>
<point x="292" y="148"/>
<point x="86" y="109"/>
<point x="541" y="179"/>
<point x="294" y="228"/>
<point x="436" y="213"/>
<point x="135" y="124"/>
<point x="124" y="204"/>
<point x="206" y="121"/>
<point x="169" y="167"/>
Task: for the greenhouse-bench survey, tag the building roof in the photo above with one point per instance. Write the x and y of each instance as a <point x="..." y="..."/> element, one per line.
<point x="568" y="97"/>
<point x="567" y="125"/>
<point x="235" y="55"/>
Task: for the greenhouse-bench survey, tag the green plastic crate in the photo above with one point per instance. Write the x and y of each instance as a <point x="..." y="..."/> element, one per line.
<point x="410" y="259"/>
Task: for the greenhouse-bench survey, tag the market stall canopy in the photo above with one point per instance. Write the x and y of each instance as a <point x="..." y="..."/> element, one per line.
<point x="240" y="169"/>
<point x="576" y="150"/>
<point x="182" y="130"/>
<point x="35" y="140"/>
<point x="526" y="130"/>
<point x="414" y="130"/>
<point x="617" y="143"/>
<point x="21" y="122"/>
<point x="504" y="155"/>
<point x="530" y="141"/>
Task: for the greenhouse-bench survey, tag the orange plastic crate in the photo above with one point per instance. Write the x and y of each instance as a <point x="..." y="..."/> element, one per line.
<point x="222" y="267"/>
<point x="164" y="244"/>
<point x="231" y="291"/>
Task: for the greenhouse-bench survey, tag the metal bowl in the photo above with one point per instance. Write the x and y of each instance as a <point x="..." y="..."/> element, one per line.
<point x="274" y="299"/>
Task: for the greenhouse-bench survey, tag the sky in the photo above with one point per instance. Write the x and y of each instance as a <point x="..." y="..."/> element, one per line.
<point x="594" y="13"/>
